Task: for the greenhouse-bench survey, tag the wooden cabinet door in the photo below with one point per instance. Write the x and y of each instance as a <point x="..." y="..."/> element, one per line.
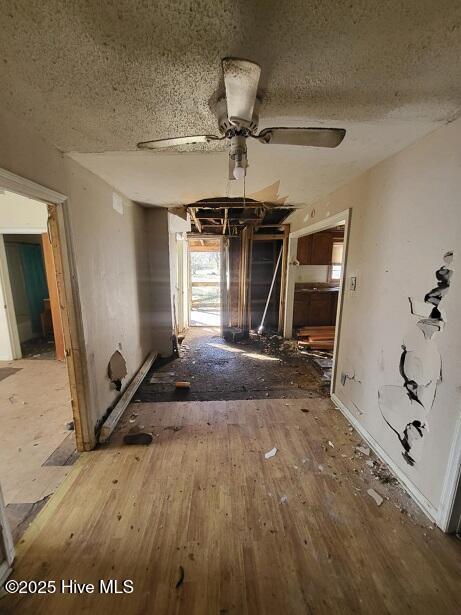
<point x="322" y="247"/>
<point x="334" y="306"/>
<point x="320" y="309"/>
<point x="301" y="309"/>
<point x="304" y="250"/>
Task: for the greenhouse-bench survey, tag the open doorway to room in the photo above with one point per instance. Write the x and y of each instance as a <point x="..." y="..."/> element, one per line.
<point x="38" y="439"/>
<point x="266" y="276"/>
<point x="317" y="261"/>
<point x="237" y="255"/>
<point x="204" y="282"/>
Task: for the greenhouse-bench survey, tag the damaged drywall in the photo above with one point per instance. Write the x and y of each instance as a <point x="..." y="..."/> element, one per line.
<point x="431" y="318"/>
<point x="354" y="389"/>
<point x="116" y="369"/>
<point x="405" y="408"/>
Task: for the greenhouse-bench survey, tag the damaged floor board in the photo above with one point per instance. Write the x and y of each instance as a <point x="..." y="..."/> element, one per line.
<point x="266" y="367"/>
<point x="66" y="454"/>
<point x="297" y="533"/>
<point x="20" y="516"/>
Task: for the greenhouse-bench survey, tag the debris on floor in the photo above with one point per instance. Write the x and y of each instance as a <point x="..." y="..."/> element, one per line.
<point x="316" y="338"/>
<point x="270" y="453"/>
<point x="162" y="378"/>
<point x="363" y="449"/>
<point x="375" y="495"/>
<point x="137" y="438"/>
<point x="283" y="499"/>
<point x="258" y="367"/>
<point x="182" y="384"/>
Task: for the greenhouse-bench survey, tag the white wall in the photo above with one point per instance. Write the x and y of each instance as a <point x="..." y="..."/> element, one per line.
<point x="406" y="214"/>
<point x="160" y="282"/>
<point x="311" y="273"/>
<point x="113" y="279"/>
<point x="19" y="214"/>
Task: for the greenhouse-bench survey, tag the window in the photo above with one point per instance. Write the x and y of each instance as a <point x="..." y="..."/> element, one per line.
<point x="336" y="261"/>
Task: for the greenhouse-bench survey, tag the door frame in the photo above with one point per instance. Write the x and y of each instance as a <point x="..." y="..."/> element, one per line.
<point x="6" y="295"/>
<point x="61" y="241"/>
<point x="189" y="280"/>
<point x="322" y="225"/>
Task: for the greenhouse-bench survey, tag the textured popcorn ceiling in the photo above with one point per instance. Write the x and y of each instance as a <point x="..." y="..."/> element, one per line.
<point x="99" y="76"/>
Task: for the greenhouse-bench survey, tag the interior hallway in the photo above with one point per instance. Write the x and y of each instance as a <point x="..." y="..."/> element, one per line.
<point x="293" y="534"/>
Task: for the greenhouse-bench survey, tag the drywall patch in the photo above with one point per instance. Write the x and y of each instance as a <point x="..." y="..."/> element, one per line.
<point x="405" y="408"/>
<point x="116" y="369"/>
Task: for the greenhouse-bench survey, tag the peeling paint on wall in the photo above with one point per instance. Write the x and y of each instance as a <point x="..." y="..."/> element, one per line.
<point x="405" y="408"/>
<point x="354" y="391"/>
<point x="345" y="377"/>
<point x="432" y="319"/>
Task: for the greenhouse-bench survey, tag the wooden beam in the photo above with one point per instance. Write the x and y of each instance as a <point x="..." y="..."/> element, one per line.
<point x="226" y="212"/>
<point x="52" y="284"/>
<point x="111" y="422"/>
<point x="197" y="222"/>
<point x="266" y="237"/>
<point x="241" y="206"/>
<point x="74" y="349"/>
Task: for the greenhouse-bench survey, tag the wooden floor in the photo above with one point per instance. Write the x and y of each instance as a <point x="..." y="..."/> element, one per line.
<point x="34" y="409"/>
<point x="294" y="534"/>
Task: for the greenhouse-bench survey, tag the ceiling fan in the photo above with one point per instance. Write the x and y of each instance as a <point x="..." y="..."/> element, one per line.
<point x="237" y="121"/>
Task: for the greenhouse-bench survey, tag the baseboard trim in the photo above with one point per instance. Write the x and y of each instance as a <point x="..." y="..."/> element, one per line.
<point x="427" y="508"/>
<point x="450" y="484"/>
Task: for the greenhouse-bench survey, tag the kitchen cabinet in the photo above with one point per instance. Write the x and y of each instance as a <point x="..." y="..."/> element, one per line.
<point x="315" y="308"/>
<point x="317" y="249"/>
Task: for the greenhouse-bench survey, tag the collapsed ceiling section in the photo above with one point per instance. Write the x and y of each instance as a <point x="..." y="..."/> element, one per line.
<point x="229" y="216"/>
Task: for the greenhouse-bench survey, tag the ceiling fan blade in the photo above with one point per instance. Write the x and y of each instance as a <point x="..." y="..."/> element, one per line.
<point x="192" y="140"/>
<point x="313" y="137"/>
<point x="241" y="78"/>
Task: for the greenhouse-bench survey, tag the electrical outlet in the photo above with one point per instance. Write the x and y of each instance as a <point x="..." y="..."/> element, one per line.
<point x="353" y="284"/>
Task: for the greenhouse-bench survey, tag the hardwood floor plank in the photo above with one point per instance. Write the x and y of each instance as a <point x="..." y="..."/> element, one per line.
<point x="203" y="498"/>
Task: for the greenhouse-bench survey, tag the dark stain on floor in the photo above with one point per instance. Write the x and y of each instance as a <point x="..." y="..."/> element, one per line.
<point x="8" y="371"/>
<point x="258" y="368"/>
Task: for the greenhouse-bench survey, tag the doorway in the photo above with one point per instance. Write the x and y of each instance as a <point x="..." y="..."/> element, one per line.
<point x="205" y="282"/>
<point x="36" y="420"/>
<point x="317" y="257"/>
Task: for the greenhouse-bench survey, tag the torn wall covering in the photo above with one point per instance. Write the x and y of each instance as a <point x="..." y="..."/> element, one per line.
<point x="406" y="408"/>
<point x="404" y="217"/>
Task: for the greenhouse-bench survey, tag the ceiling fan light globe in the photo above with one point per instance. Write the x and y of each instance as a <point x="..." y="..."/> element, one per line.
<point x="239" y="172"/>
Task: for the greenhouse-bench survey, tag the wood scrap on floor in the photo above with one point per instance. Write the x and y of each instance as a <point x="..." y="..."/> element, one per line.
<point x="316" y="338"/>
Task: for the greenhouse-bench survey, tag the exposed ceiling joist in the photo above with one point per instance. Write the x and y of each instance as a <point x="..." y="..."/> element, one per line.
<point x="197" y="222"/>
